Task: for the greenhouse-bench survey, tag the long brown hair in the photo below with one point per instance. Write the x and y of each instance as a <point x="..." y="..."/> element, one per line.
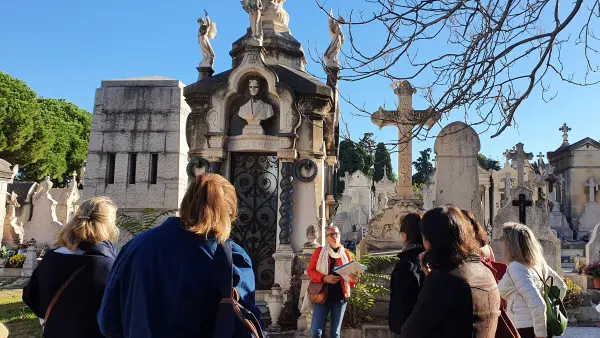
<point x="209" y="206"/>
<point x="520" y="245"/>
<point x="93" y="222"/>
<point x="450" y="236"/>
<point x="480" y="235"/>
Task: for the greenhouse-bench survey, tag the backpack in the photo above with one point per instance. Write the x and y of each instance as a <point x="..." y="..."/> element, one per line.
<point x="556" y="314"/>
<point x="233" y="320"/>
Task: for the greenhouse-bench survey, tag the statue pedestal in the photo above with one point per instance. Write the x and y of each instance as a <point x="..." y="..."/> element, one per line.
<point x="383" y="234"/>
<point x="253" y="128"/>
<point x="204" y="71"/>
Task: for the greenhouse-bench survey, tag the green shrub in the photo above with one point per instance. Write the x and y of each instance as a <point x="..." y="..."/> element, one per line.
<point x="369" y="285"/>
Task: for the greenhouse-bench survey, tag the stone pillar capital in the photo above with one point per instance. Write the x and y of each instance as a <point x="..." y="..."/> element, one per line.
<point x="331" y="160"/>
<point x="287" y="155"/>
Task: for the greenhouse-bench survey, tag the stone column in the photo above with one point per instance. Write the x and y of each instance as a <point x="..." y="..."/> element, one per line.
<point x="286" y="202"/>
<point x="305" y="319"/>
<point x="284" y="255"/>
<point x="486" y="204"/>
<point x="330" y="182"/>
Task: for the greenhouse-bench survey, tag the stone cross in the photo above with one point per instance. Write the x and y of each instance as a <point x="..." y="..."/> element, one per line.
<point x="522" y="203"/>
<point x="385" y="172"/>
<point x="520" y="156"/>
<point x="405" y="118"/>
<point x="540" y="161"/>
<point x="592" y="185"/>
<point x="565" y="130"/>
<point x="506" y="159"/>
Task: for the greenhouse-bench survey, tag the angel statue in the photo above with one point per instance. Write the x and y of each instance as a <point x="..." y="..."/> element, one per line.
<point x="206" y="32"/>
<point x="254" y="8"/>
<point x="337" y="40"/>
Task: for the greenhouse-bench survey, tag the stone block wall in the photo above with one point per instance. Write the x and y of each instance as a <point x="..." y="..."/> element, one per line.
<point x="144" y="116"/>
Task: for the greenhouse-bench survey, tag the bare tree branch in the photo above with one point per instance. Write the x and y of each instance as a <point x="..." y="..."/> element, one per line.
<point x="484" y="58"/>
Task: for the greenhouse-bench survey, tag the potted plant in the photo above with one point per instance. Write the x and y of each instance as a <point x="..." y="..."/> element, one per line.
<point x="573" y="299"/>
<point x="593" y="270"/>
<point x="16" y="261"/>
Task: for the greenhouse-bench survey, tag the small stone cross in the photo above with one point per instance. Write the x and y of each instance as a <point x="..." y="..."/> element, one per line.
<point x="506" y="159"/>
<point x="520" y="156"/>
<point x="540" y="157"/>
<point x="522" y="203"/>
<point x="385" y="171"/>
<point x="565" y="130"/>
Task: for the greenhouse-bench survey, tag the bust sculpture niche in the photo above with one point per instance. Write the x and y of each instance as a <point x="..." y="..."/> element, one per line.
<point x="254" y="110"/>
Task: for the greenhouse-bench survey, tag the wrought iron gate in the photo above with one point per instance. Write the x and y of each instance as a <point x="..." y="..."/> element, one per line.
<point x="255" y="178"/>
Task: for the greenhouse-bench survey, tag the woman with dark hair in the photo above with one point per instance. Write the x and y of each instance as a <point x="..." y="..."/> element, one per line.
<point x="460" y="297"/>
<point x="480" y="236"/>
<point x="407" y="276"/>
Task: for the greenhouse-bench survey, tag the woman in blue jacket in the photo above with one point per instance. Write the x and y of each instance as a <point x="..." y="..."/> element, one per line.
<point x="165" y="282"/>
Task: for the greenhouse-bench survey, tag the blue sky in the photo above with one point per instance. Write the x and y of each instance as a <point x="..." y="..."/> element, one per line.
<point x="64" y="49"/>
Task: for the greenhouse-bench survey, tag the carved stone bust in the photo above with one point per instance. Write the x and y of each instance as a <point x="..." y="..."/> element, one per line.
<point x="255" y="110"/>
<point x="312" y="233"/>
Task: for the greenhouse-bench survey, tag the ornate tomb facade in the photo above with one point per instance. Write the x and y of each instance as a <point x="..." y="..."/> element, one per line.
<point x="271" y="129"/>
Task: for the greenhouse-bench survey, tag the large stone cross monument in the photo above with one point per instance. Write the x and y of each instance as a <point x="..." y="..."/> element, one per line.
<point x="383" y="233"/>
<point x="405" y="118"/>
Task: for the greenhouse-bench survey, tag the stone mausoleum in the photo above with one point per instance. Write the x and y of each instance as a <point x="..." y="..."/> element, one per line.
<point x="271" y="129"/>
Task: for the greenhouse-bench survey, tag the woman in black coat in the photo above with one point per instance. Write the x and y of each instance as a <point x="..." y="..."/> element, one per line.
<point x="407" y="276"/>
<point x="460" y="296"/>
<point x="84" y="254"/>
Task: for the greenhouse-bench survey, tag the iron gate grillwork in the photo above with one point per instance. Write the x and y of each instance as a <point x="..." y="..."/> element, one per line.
<point x="255" y="179"/>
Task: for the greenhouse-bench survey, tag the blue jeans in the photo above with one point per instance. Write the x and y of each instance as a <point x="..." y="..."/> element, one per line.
<point x="319" y="319"/>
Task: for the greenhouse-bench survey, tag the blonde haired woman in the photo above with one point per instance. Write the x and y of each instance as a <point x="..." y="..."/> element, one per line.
<point x="522" y="285"/>
<point x="167" y="281"/>
<point x="66" y="288"/>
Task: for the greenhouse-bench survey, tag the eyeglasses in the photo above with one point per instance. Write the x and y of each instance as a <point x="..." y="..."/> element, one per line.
<point x="333" y="234"/>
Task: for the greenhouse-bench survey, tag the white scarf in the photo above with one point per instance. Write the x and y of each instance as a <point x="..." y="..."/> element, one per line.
<point x="323" y="267"/>
<point x="323" y="262"/>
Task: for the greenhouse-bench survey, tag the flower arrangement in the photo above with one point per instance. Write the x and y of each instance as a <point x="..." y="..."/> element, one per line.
<point x="573" y="299"/>
<point x="592" y="269"/>
<point x="16" y="261"/>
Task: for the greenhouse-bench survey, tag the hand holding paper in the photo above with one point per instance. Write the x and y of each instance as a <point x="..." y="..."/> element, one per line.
<point x="350" y="268"/>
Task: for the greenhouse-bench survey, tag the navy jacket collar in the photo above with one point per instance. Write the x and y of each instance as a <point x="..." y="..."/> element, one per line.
<point x="105" y="249"/>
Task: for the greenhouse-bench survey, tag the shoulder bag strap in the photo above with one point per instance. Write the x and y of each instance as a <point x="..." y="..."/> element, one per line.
<point x="544" y="284"/>
<point x="59" y="293"/>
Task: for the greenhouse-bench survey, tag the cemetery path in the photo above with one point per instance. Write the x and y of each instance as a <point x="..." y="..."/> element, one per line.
<point x="582" y="332"/>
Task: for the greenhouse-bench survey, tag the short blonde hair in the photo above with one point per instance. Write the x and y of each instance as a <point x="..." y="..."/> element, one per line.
<point x="209" y="206"/>
<point x="520" y="245"/>
<point x="94" y="222"/>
